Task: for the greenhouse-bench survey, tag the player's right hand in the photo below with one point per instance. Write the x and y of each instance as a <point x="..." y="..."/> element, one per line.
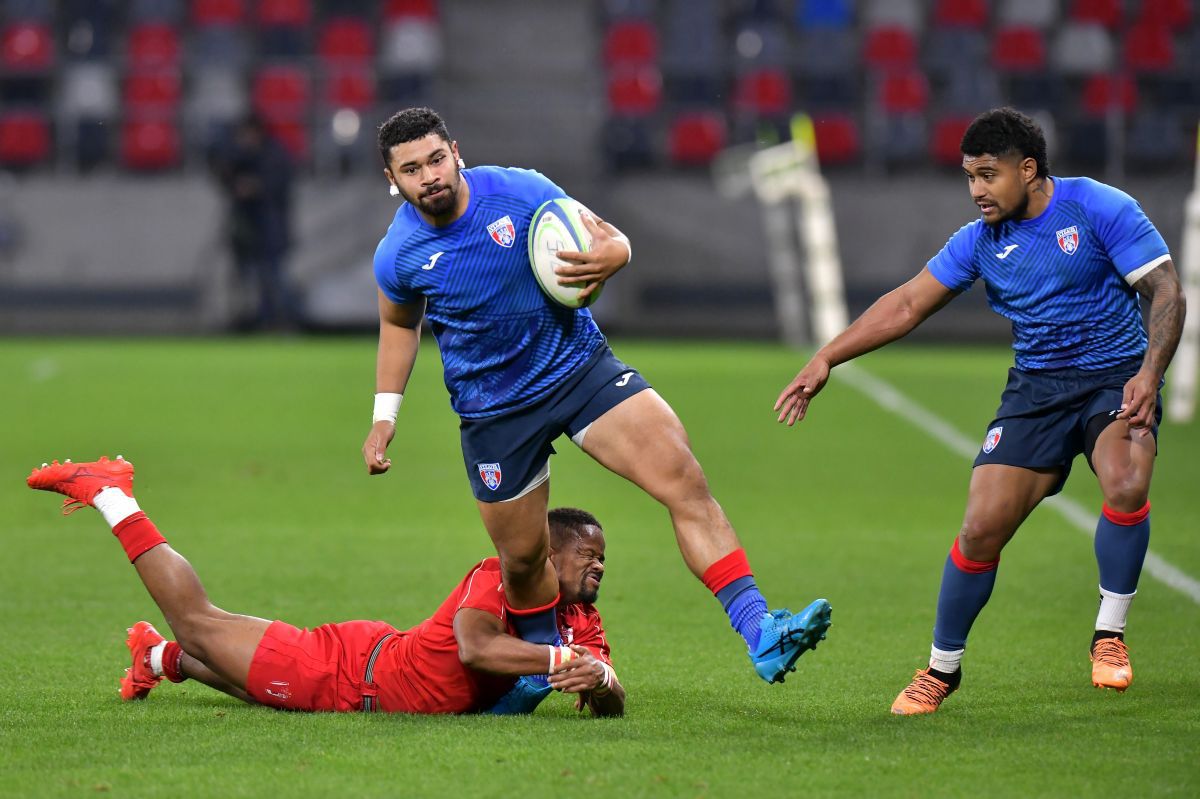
<point x="793" y="400"/>
<point x="374" y="449"/>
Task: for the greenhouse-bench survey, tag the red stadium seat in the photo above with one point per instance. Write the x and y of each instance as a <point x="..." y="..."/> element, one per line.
<point x="904" y="93"/>
<point x="293" y="135"/>
<point x="764" y="93"/>
<point x="281" y="92"/>
<point x="350" y="88"/>
<point x="406" y="9"/>
<point x="346" y="40"/>
<point x="153" y="44"/>
<point x="1102" y="92"/>
<point x="945" y="144"/>
<point x="1108" y="13"/>
<point x="284" y="13"/>
<point x="153" y="91"/>
<point x="839" y="140"/>
<point x="24" y="138"/>
<point x="149" y="144"/>
<point x="960" y="14"/>
<point x="27" y="47"/>
<point x="206" y="13"/>
<point x="635" y="91"/>
<point x="890" y="48"/>
<point x="1172" y="13"/>
<point x="631" y="42"/>
<point x="1149" y="47"/>
<point x="1019" y="49"/>
<point x="696" y="137"/>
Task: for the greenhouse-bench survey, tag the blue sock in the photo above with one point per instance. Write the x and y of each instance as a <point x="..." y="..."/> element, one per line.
<point x="966" y="587"/>
<point x="745" y="605"/>
<point x="1121" y="542"/>
<point x="537" y="628"/>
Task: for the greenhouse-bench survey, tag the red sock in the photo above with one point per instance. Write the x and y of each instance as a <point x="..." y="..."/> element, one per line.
<point x="729" y="568"/>
<point x="172" y="655"/>
<point x="137" y="535"/>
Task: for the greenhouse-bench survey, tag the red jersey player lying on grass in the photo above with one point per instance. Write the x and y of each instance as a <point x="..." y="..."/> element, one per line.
<point x="462" y="659"/>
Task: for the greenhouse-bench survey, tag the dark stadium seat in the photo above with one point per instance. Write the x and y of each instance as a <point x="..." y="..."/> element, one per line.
<point x="1149" y="47"/>
<point x="1018" y="49"/>
<point x="969" y="90"/>
<point x="24" y="138"/>
<point x="839" y="140"/>
<point x="904" y="93"/>
<point x="206" y="13"/>
<point x="165" y="11"/>
<point x="1108" y="13"/>
<point x="294" y="135"/>
<point x="891" y="48"/>
<point x="347" y="87"/>
<point x="26" y="47"/>
<point x="346" y="40"/>
<point x="944" y="144"/>
<point x="1156" y="140"/>
<point x="152" y="45"/>
<point x="221" y="46"/>
<point x="27" y="10"/>
<point x="409" y="9"/>
<point x="630" y="42"/>
<point x="627" y="143"/>
<point x="634" y="91"/>
<point x="695" y="137"/>
<point x="971" y="14"/>
<point x="153" y="91"/>
<point x="1172" y="13"/>
<point x="281" y="92"/>
<point x="1103" y="92"/>
<point x="283" y="13"/>
<point x="763" y="93"/>
<point x="946" y="51"/>
<point x="150" y="145"/>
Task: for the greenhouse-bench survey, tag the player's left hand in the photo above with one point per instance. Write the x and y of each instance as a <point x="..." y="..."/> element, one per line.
<point x="1140" y="402"/>
<point x="605" y="258"/>
<point x="579" y="674"/>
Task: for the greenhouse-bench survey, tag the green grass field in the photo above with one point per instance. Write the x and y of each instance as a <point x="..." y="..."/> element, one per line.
<point x="248" y="460"/>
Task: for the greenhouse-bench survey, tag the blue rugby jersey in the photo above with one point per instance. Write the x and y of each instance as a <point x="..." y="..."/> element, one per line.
<point x="1065" y="278"/>
<point x="504" y="343"/>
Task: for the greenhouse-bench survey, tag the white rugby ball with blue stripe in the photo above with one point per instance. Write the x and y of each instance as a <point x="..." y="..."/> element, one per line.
<point x="556" y="226"/>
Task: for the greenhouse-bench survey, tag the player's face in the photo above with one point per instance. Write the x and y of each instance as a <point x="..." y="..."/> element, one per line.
<point x="999" y="185"/>
<point x="426" y="173"/>
<point x="580" y="566"/>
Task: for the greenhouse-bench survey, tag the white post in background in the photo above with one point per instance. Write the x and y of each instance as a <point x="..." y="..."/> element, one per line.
<point x="1185" y="369"/>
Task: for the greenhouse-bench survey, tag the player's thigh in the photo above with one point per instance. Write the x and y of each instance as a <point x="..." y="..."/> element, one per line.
<point x="999" y="499"/>
<point x="518" y="527"/>
<point x="643" y="440"/>
<point x="1123" y="459"/>
<point x="229" y="642"/>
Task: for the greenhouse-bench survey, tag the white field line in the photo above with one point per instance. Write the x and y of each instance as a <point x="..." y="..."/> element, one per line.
<point x="890" y="398"/>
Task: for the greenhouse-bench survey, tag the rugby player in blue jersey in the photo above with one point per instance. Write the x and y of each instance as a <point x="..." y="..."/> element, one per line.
<point x="1067" y="260"/>
<point x="522" y="370"/>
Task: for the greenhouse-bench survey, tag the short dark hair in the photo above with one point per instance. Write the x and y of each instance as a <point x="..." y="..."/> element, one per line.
<point x="1002" y="131"/>
<point x="409" y="125"/>
<point x="568" y="524"/>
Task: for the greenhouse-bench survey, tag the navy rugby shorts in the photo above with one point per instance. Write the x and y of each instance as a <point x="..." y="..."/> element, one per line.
<point x="1048" y="417"/>
<point x="509" y="453"/>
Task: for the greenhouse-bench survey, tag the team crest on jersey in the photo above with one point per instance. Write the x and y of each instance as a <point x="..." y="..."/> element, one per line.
<point x="503" y="232"/>
<point x="489" y="473"/>
<point x="992" y="439"/>
<point x="1068" y="239"/>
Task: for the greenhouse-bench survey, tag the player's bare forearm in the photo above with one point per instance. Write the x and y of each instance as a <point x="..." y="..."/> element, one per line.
<point x="1164" y="326"/>
<point x="484" y="645"/>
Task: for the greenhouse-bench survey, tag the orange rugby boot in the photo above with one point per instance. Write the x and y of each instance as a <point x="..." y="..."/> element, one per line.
<point x="139" y="678"/>
<point x="1110" y="664"/>
<point x="81" y="482"/>
<point x="924" y="694"/>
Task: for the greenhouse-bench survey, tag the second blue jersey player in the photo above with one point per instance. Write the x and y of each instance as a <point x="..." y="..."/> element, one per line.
<point x="522" y="371"/>
<point x="1068" y="261"/>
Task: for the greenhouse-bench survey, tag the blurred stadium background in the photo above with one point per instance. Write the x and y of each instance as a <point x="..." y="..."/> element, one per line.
<point x="110" y="111"/>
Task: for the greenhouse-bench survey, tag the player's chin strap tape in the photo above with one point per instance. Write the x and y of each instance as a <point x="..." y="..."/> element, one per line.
<point x="370" y="689"/>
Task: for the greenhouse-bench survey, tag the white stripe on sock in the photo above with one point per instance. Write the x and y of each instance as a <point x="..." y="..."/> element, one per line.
<point x="115" y="505"/>
<point x="156" y="653"/>
<point x="941" y="660"/>
<point x="1114" y="608"/>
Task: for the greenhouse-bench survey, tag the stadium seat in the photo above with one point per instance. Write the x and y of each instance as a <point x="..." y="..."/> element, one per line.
<point x="349" y="88"/>
<point x="394" y="10"/>
<point x="88" y="90"/>
<point x="1172" y="13"/>
<point x="824" y="14"/>
<point x="906" y="14"/>
<point x="26" y="47"/>
<point x="634" y="91"/>
<point x="630" y="42"/>
<point x="283" y="13"/>
<point x="1086" y="143"/>
<point x="904" y="93"/>
<point x="220" y="46"/>
<point x="163" y="11"/>
<point x="1019" y="49"/>
<point x="1043" y="90"/>
<point x="970" y="91"/>
<point x="411" y="45"/>
<point x="153" y="45"/>
<point x="157" y="91"/>
<point x="627" y="9"/>
<point x="945" y="142"/>
<point x="281" y="92"/>
<point x="891" y="48"/>
<point x="206" y="13"/>
<point x="1149" y="47"/>
<point x="948" y="50"/>
<point x="763" y="93"/>
<point x="826" y="53"/>
<point x="760" y="44"/>
<point x="346" y="40"/>
<point x="695" y="138"/>
<point x="28" y="10"/>
<point x="972" y="14"/>
<point x="1102" y="92"/>
<point x="902" y="140"/>
<point x="1083" y="48"/>
<point x="293" y="134"/>
<point x="692" y="41"/>
<point x="833" y="93"/>
<point x="1156" y="140"/>
<point x="1040" y="14"/>
<point x="838" y="138"/>
<point x="1108" y="13"/>
<point x="149" y="145"/>
<point x="216" y="98"/>
<point x="627" y="143"/>
<point x="24" y="138"/>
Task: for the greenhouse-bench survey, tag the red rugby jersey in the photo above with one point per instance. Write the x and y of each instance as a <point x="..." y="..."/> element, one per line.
<point x="418" y="670"/>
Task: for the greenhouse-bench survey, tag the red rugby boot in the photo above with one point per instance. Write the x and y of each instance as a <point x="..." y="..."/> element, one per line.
<point x="139" y="679"/>
<point x="81" y="482"/>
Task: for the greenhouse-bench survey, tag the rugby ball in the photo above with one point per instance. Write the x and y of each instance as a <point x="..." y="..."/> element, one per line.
<point x="557" y="225"/>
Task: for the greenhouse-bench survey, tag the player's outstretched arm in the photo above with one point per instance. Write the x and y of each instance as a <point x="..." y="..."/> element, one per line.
<point x="893" y="316"/>
<point x="399" y="340"/>
<point x="1164" y="326"/>
<point x="610" y="251"/>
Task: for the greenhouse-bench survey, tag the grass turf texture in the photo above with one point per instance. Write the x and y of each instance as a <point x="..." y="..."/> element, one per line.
<point x="247" y="455"/>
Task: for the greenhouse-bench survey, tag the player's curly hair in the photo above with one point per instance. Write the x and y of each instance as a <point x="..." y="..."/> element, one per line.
<point x="568" y="524"/>
<point x="409" y="125"/>
<point x="1002" y="131"/>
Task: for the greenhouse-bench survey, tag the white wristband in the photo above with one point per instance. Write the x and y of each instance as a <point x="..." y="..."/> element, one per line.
<point x="387" y="405"/>
<point x="625" y="240"/>
<point x="610" y="677"/>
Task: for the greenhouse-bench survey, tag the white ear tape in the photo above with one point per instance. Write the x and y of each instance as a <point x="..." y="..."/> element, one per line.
<point x="394" y="190"/>
<point x="462" y="164"/>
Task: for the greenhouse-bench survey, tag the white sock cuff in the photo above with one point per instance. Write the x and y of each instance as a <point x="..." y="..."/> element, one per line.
<point x="943" y="660"/>
<point x="156" y="655"/>
<point x="1113" y="595"/>
<point x="115" y="505"/>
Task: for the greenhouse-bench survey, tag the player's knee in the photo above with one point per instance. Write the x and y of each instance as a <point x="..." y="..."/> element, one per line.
<point x="522" y="565"/>
<point x="1127" y="494"/>
<point x="197" y="632"/>
<point x="982" y="540"/>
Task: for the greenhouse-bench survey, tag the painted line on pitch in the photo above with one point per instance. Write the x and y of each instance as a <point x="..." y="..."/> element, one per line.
<point x="890" y="398"/>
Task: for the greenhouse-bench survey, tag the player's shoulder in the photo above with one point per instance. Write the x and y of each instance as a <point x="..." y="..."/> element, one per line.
<point x="510" y="180"/>
<point x="963" y="240"/>
<point x="1093" y="195"/>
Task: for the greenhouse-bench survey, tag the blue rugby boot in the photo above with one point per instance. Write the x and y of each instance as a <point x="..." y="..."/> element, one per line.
<point x="786" y="636"/>
<point x="524" y="697"/>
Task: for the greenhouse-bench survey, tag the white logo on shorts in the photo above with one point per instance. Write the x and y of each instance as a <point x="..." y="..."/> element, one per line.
<point x="992" y="440"/>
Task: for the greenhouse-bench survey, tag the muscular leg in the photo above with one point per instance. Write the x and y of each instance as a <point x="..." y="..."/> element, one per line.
<point x="194" y="669"/>
<point x="521" y="535"/>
